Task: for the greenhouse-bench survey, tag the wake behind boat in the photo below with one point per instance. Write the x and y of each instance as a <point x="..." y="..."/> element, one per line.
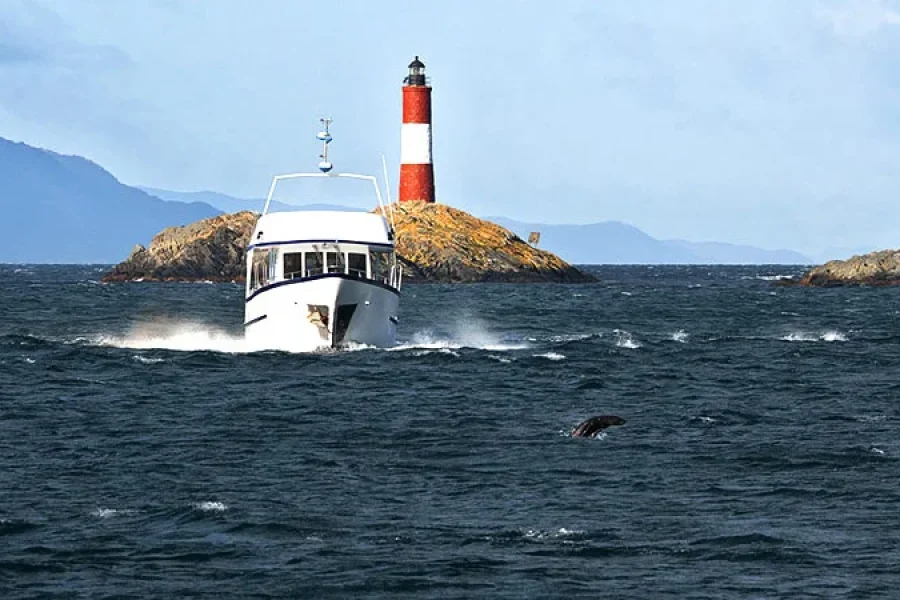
<point x="321" y="279"/>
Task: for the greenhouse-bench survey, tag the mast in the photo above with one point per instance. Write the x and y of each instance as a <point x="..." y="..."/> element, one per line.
<point x="325" y="137"/>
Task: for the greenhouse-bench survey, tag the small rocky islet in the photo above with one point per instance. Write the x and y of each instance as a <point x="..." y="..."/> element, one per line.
<point x="880" y="268"/>
<point x="435" y="243"/>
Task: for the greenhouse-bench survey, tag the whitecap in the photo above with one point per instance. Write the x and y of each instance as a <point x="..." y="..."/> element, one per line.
<point x="625" y="340"/>
<point x="798" y="336"/>
<point x="833" y="336"/>
<point x="147" y="361"/>
<point x="467" y="334"/>
<point x="211" y="506"/>
<point x="551" y="356"/>
<point x="706" y="420"/>
<point x="774" y="277"/>
<point x="105" y="513"/>
<point x="357" y="347"/>
<point x="30" y="361"/>
<point x="626" y="293"/>
<point x="562" y="532"/>
<point x="573" y="337"/>
<point x="168" y="335"/>
<point x="500" y="359"/>
<point x="805" y="336"/>
<point x="680" y="336"/>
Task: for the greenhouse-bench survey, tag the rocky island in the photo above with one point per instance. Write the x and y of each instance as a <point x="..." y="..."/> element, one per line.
<point x="875" y="268"/>
<point x="435" y="242"/>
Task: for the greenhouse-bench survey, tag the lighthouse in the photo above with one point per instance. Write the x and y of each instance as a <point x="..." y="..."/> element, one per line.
<point x="416" y="170"/>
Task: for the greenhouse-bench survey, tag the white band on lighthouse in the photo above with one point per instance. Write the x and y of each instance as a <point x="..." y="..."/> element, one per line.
<point x="415" y="144"/>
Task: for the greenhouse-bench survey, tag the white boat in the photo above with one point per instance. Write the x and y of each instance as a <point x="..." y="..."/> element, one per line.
<point x="321" y="279"/>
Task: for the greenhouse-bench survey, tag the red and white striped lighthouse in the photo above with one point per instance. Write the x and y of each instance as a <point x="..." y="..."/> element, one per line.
<point x="416" y="170"/>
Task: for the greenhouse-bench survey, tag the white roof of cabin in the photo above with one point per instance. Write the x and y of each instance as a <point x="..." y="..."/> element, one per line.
<point x="319" y="226"/>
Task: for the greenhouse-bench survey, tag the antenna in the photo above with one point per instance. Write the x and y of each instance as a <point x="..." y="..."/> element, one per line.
<point x="325" y="137"/>
<point x="387" y="187"/>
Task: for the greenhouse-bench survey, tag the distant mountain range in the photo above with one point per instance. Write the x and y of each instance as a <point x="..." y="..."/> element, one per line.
<point x="612" y="242"/>
<point x="230" y="204"/>
<point x="67" y="209"/>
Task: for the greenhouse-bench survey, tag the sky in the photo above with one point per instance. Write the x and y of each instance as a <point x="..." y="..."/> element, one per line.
<point x="774" y="123"/>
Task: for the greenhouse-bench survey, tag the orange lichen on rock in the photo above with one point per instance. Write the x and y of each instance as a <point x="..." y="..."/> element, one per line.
<point x="875" y="268"/>
<point x="208" y="250"/>
<point x="439" y="243"/>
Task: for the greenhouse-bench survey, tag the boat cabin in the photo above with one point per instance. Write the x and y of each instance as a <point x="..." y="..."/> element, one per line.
<point x="362" y="248"/>
<point x="271" y="264"/>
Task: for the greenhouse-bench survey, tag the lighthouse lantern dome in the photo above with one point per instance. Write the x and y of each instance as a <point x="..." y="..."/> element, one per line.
<point x="416" y="73"/>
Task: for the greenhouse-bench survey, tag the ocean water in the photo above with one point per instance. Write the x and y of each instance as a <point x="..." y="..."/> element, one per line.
<point x="143" y="453"/>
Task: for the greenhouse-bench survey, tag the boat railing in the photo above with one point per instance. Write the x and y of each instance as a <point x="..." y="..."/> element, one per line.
<point x="371" y="178"/>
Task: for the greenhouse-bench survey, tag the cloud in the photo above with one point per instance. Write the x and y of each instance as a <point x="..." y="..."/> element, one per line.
<point x="859" y="18"/>
<point x="11" y="53"/>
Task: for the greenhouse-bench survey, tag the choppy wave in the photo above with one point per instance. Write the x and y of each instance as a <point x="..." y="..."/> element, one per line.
<point x="211" y="506"/>
<point x="624" y="339"/>
<point x="181" y="336"/>
<point x="106" y="513"/>
<point x="541" y="534"/>
<point x="554" y="356"/>
<point x="317" y="473"/>
<point x="466" y="334"/>
<point x="680" y="336"/>
<point x="773" y="277"/>
<point x="568" y="337"/>
<point x="190" y="336"/>
<point x="147" y="360"/>
<point x="805" y="336"/>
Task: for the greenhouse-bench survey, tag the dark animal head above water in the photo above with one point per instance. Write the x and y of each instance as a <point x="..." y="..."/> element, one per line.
<point x="595" y="425"/>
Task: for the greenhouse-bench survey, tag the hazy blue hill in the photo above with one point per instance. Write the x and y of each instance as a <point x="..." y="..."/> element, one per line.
<point x="612" y="242"/>
<point x="231" y="204"/>
<point x="737" y="254"/>
<point x="67" y="209"/>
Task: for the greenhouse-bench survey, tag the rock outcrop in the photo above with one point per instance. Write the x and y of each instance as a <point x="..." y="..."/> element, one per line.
<point x="875" y="268"/>
<point x="208" y="250"/>
<point x="436" y="244"/>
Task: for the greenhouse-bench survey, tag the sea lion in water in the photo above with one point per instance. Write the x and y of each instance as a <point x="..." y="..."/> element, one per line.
<point x="595" y="425"/>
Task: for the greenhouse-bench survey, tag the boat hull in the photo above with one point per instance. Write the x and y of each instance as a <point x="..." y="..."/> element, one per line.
<point x="328" y="311"/>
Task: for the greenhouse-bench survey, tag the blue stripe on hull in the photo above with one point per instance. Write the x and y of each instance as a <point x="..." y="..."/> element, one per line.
<point x="322" y="276"/>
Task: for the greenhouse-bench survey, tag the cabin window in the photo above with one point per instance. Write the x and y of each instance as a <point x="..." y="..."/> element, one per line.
<point x="273" y="270"/>
<point x="381" y="265"/>
<point x="262" y="267"/>
<point x="293" y="265"/>
<point x="356" y="265"/>
<point x="313" y="263"/>
<point x="335" y="262"/>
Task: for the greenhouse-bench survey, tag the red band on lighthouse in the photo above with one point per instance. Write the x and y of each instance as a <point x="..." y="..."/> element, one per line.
<point x="416" y="104"/>
<point x="416" y="170"/>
